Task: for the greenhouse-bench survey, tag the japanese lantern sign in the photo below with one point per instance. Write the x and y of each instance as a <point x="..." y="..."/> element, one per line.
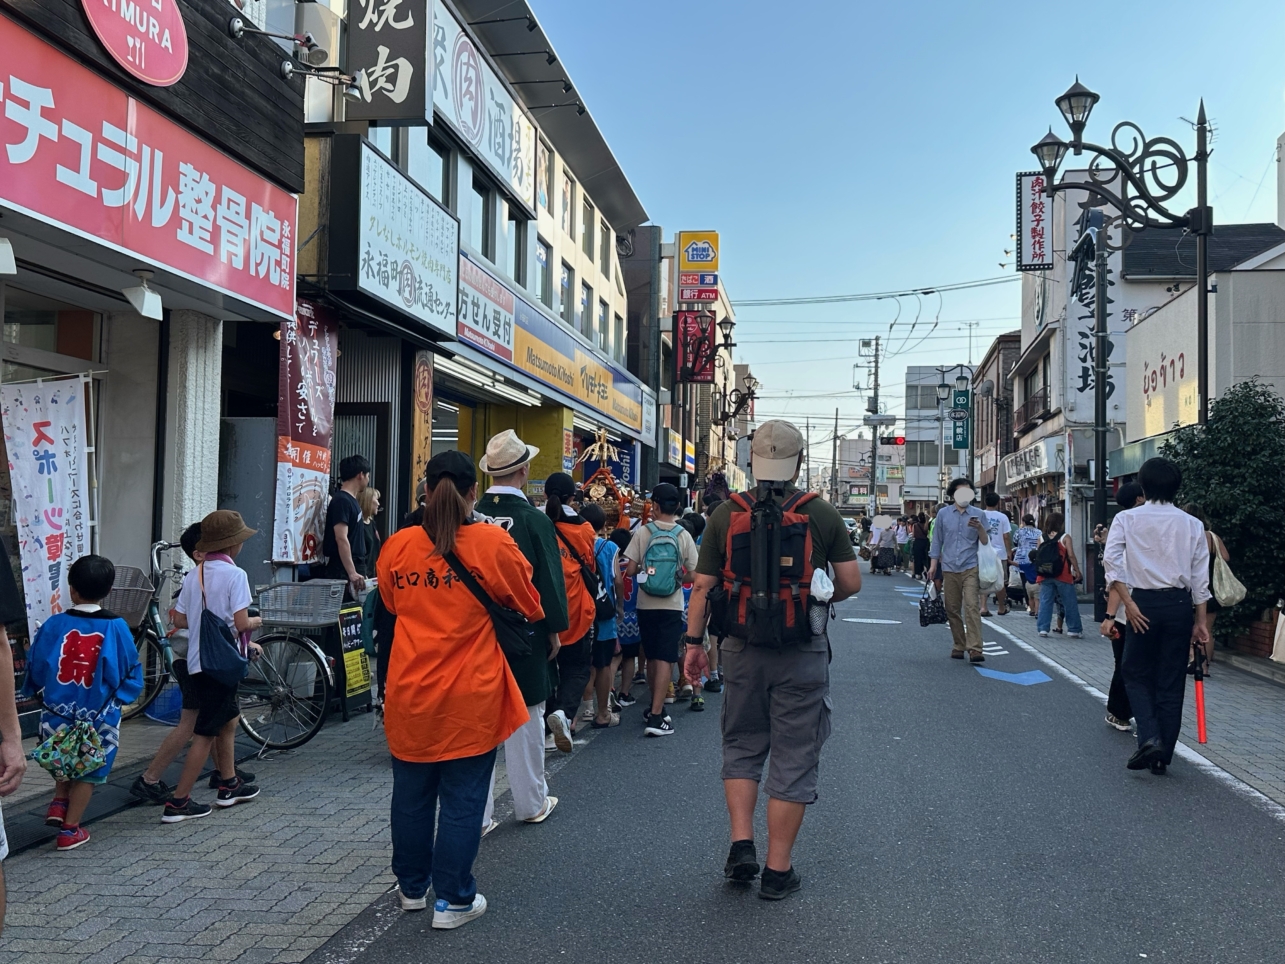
<point x="81" y="154"/>
<point x="1034" y="223"/>
<point x="305" y="427"/>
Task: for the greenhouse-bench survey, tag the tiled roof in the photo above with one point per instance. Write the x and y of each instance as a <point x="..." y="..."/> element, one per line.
<point x="1159" y="253"/>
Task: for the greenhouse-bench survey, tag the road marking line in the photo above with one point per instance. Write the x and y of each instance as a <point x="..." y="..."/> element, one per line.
<point x="1194" y="757"/>
<point x="876" y="622"/>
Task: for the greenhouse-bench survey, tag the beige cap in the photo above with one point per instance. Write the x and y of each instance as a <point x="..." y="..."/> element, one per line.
<point x="506" y="453"/>
<point x="774" y="453"/>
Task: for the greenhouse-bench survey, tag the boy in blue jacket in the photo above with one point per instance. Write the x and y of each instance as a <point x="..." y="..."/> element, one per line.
<point x="84" y="665"/>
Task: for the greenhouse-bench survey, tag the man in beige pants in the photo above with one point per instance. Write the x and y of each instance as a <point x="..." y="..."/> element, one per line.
<point x="959" y="529"/>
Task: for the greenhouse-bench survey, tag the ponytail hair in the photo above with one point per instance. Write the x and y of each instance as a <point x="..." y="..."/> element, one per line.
<point x="445" y="510"/>
<point x="559" y="489"/>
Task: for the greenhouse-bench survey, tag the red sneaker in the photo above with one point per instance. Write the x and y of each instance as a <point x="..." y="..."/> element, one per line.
<point x="71" y="839"/>
<point x="56" y="813"/>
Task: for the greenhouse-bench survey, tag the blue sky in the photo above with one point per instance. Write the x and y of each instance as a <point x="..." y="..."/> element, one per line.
<point x="843" y="147"/>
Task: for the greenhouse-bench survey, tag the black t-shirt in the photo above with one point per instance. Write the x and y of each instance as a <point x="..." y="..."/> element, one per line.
<point x="344" y="510"/>
<point x="13" y="608"/>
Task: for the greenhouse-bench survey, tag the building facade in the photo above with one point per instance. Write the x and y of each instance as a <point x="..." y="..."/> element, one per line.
<point x="993" y="409"/>
<point x="932" y="459"/>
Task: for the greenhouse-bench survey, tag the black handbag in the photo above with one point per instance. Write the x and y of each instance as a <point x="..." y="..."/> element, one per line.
<point x="603" y="607"/>
<point x="515" y="633"/>
<point x="932" y="609"/>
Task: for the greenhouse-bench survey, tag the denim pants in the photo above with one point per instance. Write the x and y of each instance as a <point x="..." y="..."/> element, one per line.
<point x="1054" y="590"/>
<point x="461" y="787"/>
<point x="1154" y="665"/>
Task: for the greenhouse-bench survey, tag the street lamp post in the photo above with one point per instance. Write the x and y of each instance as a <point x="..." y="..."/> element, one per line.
<point x="1152" y="172"/>
<point x="962" y="381"/>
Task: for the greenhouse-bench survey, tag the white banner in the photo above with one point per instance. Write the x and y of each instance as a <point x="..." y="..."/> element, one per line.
<point x="407" y="244"/>
<point x="1034" y="224"/>
<point x="477" y="105"/>
<point x="44" y="436"/>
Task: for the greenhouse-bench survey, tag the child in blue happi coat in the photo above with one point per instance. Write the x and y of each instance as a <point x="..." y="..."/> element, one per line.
<point x="84" y="665"/>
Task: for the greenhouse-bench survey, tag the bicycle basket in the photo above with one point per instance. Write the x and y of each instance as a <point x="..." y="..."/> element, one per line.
<point x="306" y="605"/>
<point x="130" y="595"/>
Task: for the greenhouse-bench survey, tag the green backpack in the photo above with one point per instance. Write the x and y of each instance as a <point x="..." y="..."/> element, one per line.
<point x="662" y="561"/>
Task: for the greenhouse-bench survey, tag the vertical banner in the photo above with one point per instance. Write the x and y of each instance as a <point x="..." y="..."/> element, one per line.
<point x="1034" y="224"/>
<point x="694" y="350"/>
<point x="388" y="57"/>
<point x="961" y="429"/>
<point x="421" y="422"/>
<point x="44" y="436"/>
<point x="305" y="425"/>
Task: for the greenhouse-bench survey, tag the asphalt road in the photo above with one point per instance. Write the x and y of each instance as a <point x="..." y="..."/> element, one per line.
<point x="961" y="819"/>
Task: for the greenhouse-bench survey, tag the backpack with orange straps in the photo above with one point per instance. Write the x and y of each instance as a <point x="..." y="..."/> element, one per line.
<point x="767" y="572"/>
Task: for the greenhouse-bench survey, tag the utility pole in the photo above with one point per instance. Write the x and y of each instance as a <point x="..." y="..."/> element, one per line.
<point x="807" y="456"/>
<point x="874" y="442"/>
<point x="834" y="462"/>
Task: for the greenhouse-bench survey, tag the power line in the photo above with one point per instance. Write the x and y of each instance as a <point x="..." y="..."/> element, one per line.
<point x="874" y="295"/>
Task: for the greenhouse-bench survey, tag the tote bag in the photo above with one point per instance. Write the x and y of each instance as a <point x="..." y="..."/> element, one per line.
<point x="1228" y="590"/>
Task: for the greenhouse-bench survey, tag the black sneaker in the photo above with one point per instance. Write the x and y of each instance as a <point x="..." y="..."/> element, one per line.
<point x="714" y="685"/>
<point x="234" y="792"/>
<point x="156" y="793"/>
<point x="176" y="812"/>
<point x="624" y="699"/>
<point x="742" y="862"/>
<point x="659" y="726"/>
<point x="216" y="778"/>
<point x="779" y="884"/>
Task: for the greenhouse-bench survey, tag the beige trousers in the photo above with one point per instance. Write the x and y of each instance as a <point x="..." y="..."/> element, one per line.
<point x="963" y="595"/>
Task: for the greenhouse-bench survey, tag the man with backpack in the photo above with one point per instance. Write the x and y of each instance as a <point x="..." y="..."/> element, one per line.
<point x="661" y="553"/>
<point x="957" y="531"/>
<point x="774" y="647"/>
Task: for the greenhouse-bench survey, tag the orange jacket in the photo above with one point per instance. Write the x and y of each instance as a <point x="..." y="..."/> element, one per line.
<point x="450" y="693"/>
<point x="580" y="606"/>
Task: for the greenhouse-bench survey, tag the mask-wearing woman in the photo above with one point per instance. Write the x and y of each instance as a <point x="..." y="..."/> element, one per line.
<point x="450" y="698"/>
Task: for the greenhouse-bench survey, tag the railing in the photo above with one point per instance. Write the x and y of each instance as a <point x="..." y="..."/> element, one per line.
<point x="1030" y="410"/>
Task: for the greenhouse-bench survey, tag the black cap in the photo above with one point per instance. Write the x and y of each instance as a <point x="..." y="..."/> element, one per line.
<point x="561" y="485"/>
<point x="666" y="494"/>
<point x="453" y="463"/>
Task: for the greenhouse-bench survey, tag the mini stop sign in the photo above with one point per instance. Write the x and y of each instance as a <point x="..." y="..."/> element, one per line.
<point x="146" y="37"/>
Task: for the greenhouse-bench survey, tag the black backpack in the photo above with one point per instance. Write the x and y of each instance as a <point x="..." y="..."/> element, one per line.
<point x="1048" y="557"/>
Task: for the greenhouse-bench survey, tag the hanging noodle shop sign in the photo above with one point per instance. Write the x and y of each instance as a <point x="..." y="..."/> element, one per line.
<point x="44" y="436"/>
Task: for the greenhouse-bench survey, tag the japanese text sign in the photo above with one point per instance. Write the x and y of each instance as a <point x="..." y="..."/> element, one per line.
<point x="407" y="244"/>
<point x="81" y="154"/>
<point x="485" y="312"/>
<point x="44" y="436"/>
<point x="474" y="102"/>
<point x="388" y="56"/>
<point x="961" y="430"/>
<point x="698" y="251"/>
<point x="305" y="425"/>
<point x="694" y="349"/>
<point x="1034" y="223"/>
<point x="146" y="37"/>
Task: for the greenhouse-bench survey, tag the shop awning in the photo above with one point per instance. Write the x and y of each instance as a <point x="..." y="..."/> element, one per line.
<point x="1128" y="460"/>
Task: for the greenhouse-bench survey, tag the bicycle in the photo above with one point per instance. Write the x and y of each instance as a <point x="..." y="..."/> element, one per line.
<point x="285" y="696"/>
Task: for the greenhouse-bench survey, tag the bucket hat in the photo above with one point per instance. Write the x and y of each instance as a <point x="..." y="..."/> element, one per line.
<point x="223" y="529"/>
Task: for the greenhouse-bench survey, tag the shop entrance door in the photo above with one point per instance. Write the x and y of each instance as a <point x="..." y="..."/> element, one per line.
<point x="362" y="428"/>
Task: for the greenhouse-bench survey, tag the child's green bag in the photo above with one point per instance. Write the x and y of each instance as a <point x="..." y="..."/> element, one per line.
<point x="71" y="751"/>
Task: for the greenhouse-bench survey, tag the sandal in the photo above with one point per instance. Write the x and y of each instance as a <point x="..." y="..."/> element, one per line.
<point x="614" y="720"/>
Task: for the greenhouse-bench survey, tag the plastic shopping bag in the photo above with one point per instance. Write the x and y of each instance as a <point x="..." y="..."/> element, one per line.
<point x="989" y="571"/>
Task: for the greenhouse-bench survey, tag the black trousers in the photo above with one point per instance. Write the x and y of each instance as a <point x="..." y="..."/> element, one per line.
<point x="919" y="551"/>
<point x="1154" y="665"/>
<point x="1118" y="704"/>
<point x="574" y="667"/>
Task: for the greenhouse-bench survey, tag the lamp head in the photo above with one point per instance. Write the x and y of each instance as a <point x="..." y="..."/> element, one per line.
<point x="551" y="59"/>
<point x="1049" y="152"/>
<point x="1076" y="105"/>
<point x="961" y="383"/>
<point x="943" y="392"/>
<point x="143" y="299"/>
<point x="726" y="326"/>
<point x="312" y="53"/>
<point x="352" y="91"/>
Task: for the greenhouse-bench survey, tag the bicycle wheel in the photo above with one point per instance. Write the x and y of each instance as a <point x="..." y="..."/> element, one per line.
<point x="283" y="700"/>
<point x="155" y="673"/>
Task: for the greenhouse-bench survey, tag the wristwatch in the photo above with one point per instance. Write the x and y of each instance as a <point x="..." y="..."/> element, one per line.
<point x="693" y="640"/>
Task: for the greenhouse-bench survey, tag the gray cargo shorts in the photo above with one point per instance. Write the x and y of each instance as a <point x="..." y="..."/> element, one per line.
<point x="777" y="702"/>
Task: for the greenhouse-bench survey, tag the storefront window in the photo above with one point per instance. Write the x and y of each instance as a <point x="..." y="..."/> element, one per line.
<point x="33" y="321"/>
<point x="426" y="162"/>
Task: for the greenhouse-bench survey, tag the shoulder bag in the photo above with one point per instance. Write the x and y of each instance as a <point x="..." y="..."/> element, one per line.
<point x="603" y="607"/>
<point x="221" y="656"/>
<point x="1227" y="589"/>
<point x="515" y="633"/>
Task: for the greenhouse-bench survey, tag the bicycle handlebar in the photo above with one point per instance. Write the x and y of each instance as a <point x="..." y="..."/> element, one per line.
<point x="157" y="549"/>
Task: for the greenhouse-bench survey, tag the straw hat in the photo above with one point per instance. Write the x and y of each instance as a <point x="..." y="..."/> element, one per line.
<point x="223" y="529"/>
<point x="506" y="453"/>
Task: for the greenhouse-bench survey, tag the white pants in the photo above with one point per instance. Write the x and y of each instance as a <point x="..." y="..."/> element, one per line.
<point x="524" y="763"/>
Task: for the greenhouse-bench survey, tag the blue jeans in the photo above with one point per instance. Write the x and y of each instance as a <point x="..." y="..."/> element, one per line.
<point x="461" y="786"/>
<point x="1064" y="592"/>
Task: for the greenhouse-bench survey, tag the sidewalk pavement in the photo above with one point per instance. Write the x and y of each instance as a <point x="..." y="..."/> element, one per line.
<point x="1245" y="714"/>
<point x="266" y="881"/>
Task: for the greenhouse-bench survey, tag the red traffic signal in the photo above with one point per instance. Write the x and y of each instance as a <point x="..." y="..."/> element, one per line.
<point x="892" y="440"/>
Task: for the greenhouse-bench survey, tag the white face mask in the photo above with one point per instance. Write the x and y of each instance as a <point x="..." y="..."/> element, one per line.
<point x="963" y="496"/>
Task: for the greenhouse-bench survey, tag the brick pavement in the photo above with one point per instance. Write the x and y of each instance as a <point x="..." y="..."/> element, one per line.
<point x="268" y="881"/>
<point x="1245" y="714"/>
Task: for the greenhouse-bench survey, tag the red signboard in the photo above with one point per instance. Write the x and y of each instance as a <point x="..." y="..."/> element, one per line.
<point x="694" y="350"/>
<point x="146" y="37"/>
<point x="698" y="294"/>
<point x="81" y="154"/>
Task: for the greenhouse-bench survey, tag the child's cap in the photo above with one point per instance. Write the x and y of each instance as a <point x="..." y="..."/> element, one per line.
<point x="223" y="529"/>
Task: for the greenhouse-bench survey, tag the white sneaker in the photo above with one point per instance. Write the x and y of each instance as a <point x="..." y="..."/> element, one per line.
<point x="1045" y="635"/>
<point x="659" y="726"/>
<point x="449" y="916"/>
<point x="1075" y="635"/>
<point x="561" y="730"/>
<point x="412" y="903"/>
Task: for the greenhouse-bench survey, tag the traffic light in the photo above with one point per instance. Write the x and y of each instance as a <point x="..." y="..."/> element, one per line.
<point x="892" y="440"/>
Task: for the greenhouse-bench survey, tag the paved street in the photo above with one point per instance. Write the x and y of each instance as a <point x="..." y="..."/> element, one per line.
<point x="962" y="818"/>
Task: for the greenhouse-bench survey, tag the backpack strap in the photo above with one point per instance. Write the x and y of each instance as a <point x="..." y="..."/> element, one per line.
<point x="740" y="499"/>
<point x="797" y="500"/>
<point x="574" y="555"/>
